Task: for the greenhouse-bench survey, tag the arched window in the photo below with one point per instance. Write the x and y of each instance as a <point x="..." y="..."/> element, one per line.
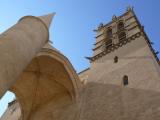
<point x="122" y="36"/>
<point x="120" y="26"/>
<point x="109" y="33"/>
<point x="125" y="80"/>
<point x="108" y="38"/>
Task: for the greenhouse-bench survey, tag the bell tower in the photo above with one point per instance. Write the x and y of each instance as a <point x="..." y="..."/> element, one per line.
<point x="123" y="81"/>
<point x="117" y="33"/>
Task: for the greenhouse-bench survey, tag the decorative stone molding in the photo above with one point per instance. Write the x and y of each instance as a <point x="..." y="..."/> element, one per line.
<point x="115" y="46"/>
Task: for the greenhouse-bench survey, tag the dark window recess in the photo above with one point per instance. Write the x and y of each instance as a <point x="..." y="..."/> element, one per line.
<point x="120" y="26"/>
<point x="109" y="33"/>
<point x="125" y="80"/>
<point x="115" y="59"/>
<point x="108" y="43"/>
<point x="122" y="36"/>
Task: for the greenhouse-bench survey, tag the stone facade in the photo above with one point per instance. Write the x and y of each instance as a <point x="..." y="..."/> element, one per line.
<point x="122" y="82"/>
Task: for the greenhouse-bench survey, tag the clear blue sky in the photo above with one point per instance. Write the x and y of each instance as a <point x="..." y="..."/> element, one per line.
<point x="72" y="28"/>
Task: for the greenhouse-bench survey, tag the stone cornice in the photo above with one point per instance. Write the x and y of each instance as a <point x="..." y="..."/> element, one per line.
<point x="121" y="43"/>
<point x="115" y="46"/>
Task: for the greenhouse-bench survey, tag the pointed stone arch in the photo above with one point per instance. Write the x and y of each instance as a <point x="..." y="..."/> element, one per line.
<point x="49" y="77"/>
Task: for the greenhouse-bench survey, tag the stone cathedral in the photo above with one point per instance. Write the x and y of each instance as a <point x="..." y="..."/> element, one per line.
<point x="122" y="82"/>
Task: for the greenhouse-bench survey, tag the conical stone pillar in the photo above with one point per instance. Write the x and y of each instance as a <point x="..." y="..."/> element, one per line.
<point x="19" y="45"/>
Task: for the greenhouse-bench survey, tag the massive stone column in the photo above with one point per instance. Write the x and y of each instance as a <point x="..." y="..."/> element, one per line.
<point x="19" y="45"/>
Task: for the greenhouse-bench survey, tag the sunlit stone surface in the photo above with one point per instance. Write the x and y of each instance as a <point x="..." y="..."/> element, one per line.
<point x="122" y="82"/>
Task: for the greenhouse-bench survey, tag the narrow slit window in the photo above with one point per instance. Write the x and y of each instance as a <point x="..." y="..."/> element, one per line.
<point x="115" y="59"/>
<point x="125" y="80"/>
<point x="109" y="33"/>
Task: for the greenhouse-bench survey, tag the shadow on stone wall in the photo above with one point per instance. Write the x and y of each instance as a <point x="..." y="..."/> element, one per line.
<point x="113" y="102"/>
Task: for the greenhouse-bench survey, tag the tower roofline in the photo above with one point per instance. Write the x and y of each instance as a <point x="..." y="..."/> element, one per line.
<point x="101" y="31"/>
<point x="128" y="10"/>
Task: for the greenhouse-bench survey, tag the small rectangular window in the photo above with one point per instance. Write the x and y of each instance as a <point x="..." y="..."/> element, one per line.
<point x="125" y="80"/>
<point x="115" y="59"/>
